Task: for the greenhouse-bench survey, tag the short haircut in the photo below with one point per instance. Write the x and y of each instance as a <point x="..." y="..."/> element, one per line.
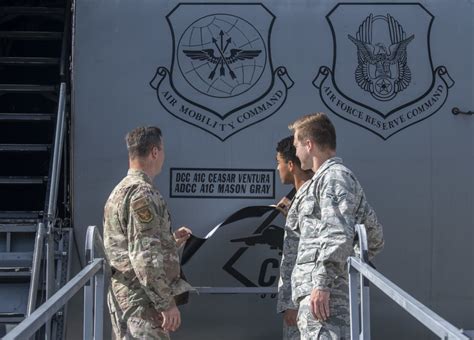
<point x="316" y="127"/>
<point x="287" y="150"/>
<point x="141" y="140"/>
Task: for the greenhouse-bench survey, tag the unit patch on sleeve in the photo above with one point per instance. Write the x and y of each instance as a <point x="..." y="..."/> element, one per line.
<point x="142" y="209"/>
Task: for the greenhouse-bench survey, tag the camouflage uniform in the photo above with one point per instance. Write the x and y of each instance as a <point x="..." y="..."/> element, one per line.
<point x="334" y="202"/>
<point x="288" y="259"/>
<point x="144" y="258"/>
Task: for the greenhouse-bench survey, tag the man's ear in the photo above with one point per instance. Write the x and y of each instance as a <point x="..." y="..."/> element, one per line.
<point x="309" y="144"/>
<point x="154" y="152"/>
<point x="291" y="166"/>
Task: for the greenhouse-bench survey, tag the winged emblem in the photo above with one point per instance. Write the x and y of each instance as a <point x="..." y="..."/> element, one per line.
<point x="203" y="55"/>
<point x="207" y="55"/>
<point x="382" y="70"/>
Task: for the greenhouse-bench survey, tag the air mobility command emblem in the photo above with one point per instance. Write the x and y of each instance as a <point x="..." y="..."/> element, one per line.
<point x="221" y="78"/>
<point x="382" y="77"/>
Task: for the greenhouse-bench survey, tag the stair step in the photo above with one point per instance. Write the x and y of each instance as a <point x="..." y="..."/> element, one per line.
<point x="14" y="273"/>
<point x="32" y="11"/>
<point x="11" y="318"/>
<point x="26" y="88"/>
<point x="14" y="298"/>
<point x="25" y="116"/>
<point x="31" y="35"/>
<point x="15" y="261"/>
<point x="24" y="147"/>
<point x="33" y="103"/>
<point x="16" y="267"/>
<point x="18" y="217"/>
<point x="28" y="61"/>
<point x="22" y="179"/>
<point x="22" y="197"/>
<point x="18" y="228"/>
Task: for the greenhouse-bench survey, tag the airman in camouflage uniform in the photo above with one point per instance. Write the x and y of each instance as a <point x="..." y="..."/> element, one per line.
<point x="290" y="250"/>
<point x="289" y="169"/>
<point x="332" y="203"/>
<point x="142" y="250"/>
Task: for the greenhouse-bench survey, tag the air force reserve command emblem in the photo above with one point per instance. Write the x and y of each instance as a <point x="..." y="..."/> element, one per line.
<point x="221" y="78"/>
<point x="382" y="77"/>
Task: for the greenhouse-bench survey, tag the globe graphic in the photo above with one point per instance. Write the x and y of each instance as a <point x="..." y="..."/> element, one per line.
<point x="221" y="55"/>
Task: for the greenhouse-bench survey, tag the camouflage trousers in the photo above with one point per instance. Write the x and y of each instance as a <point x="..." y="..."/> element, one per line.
<point x="290" y="332"/>
<point x="136" y="322"/>
<point x="337" y="327"/>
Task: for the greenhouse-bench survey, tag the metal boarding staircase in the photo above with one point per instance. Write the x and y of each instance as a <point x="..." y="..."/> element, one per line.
<point x="34" y="243"/>
<point x="361" y="274"/>
<point x="94" y="278"/>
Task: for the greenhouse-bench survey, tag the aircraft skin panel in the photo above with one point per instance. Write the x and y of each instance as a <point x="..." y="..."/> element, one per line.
<point x="224" y="100"/>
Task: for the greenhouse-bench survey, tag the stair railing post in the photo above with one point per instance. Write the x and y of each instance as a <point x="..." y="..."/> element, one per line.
<point x="354" y="302"/>
<point x="49" y="272"/>
<point x="89" y="288"/>
<point x="99" y="304"/>
<point x="35" y="268"/>
<point x="88" y="310"/>
<point x="364" y="284"/>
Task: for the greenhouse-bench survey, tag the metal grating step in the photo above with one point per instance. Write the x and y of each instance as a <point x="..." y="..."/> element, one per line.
<point x="29" y="61"/>
<point x="25" y="147"/>
<point x="15" y="262"/>
<point x="22" y="180"/>
<point x="48" y="11"/>
<point x="11" y="318"/>
<point x="15" y="274"/>
<point x="26" y="88"/>
<point x="11" y="117"/>
<point x="17" y="228"/>
<point x="31" y="35"/>
<point x="14" y="298"/>
<point x="20" y="217"/>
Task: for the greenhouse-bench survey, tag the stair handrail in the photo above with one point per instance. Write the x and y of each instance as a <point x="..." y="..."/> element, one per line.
<point x="93" y="278"/>
<point x="46" y="311"/>
<point x="48" y="235"/>
<point x="56" y="162"/>
<point x="53" y="195"/>
<point x="57" y="153"/>
<point x="361" y="271"/>
<point x="60" y="119"/>
<point x="35" y="268"/>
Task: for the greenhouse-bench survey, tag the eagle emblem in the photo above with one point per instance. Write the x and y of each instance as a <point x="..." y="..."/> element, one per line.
<point x="208" y="55"/>
<point x="382" y="66"/>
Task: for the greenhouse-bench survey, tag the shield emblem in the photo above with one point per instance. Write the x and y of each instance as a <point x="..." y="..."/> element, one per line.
<point x="221" y="78"/>
<point x="221" y="56"/>
<point x="382" y="59"/>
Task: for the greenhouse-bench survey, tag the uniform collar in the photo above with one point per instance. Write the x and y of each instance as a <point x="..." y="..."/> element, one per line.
<point x="302" y="190"/>
<point x="139" y="173"/>
<point x="307" y="185"/>
<point x="327" y="164"/>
